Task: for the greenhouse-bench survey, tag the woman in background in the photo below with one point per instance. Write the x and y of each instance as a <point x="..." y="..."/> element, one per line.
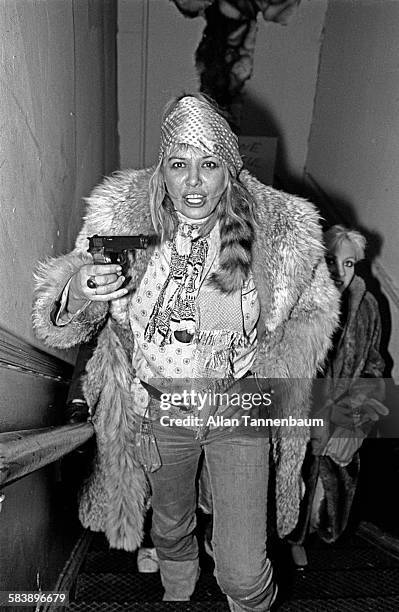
<point x="351" y="393"/>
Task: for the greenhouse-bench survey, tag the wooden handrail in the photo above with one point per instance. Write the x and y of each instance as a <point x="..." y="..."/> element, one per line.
<point x="25" y="451"/>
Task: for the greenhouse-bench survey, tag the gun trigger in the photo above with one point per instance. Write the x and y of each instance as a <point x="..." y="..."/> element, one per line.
<point x="122" y="258"/>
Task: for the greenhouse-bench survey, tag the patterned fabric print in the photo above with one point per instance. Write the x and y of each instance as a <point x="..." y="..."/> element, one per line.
<point x="175" y="308"/>
<point x="245" y="355"/>
<point x="227" y="336"/>
<point x="223" y="347"/>
<point x="152" y="360"/>
<point x="198" y="124"/>
<point x="217" y="311"/>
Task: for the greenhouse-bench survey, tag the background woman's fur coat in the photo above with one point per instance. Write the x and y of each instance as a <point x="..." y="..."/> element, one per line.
<point x="299" y="307"/>
<point x="354" y="371"/>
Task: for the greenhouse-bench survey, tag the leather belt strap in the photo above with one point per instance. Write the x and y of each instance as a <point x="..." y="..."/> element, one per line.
<point x="152" y="391"/>
<point x="157" y="394"/>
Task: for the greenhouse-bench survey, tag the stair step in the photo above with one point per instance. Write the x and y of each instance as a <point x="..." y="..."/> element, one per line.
<point x="139" y="588"/>
<point x="110" y="562"/>
<point x="350" y="576"/>
<point x="356" y="583"/>
<point x="366" y="604"/>
<point x="330" y="558"/>
<point x="159" y="606"/>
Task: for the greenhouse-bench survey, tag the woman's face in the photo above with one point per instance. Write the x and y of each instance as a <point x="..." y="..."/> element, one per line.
<point x="341" y="264"/>
<point x="195" y="182"/>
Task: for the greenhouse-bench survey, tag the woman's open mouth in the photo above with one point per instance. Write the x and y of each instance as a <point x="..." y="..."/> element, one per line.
<point x="194" y="199"/>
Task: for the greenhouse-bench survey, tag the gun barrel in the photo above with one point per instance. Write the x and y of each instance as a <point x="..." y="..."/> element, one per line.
<point x="119" y="243"/>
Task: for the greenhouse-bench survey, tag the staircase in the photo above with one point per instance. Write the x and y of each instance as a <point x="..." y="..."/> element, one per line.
<point x="351" y="576"/>
<point x="109" y="582"/>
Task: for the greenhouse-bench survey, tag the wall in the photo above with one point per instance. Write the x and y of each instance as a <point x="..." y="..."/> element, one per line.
<point x="279" y="96"/>
<point x="58" y="119"/>
<point x="354" y="142"/>
<point x="156" y="46"/>
<point x="53" y="119"/>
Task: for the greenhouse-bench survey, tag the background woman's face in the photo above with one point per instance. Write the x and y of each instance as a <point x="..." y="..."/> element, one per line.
<point x="195" y="182"/>
<point x="341" y="264"/>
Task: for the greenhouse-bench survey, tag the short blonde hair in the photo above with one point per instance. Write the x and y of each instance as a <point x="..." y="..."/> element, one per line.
<point x="336" y="234"/>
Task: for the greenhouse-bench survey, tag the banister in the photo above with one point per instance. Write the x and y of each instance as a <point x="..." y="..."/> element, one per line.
<point x="25" y="451"/>
<point x="21" y="355"/>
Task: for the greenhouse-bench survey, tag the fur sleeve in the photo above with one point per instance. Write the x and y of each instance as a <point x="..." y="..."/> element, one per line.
<point x="50" y="278"/>
<point x="52" y="275"/>
<point x="118" y="205"/>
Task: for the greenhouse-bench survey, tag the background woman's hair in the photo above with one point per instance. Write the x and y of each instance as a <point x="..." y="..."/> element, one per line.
<point x="336" y="234"/>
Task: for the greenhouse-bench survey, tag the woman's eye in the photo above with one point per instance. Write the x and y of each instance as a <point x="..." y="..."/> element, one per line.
<point x="210" y="164"/>
<point x="349" y="264"/>
<point x="178" y="164"/>
<point x="329" y="261"/>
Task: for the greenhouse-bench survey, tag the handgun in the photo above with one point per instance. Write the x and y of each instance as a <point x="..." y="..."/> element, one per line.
<point x="114" y="249"/>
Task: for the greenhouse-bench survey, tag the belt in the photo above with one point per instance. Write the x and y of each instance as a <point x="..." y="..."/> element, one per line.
<point x="152" y="391"/>
<point x="157" y="394"/>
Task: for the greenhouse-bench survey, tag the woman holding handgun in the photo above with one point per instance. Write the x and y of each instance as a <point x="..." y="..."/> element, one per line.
<point x="234" y="287"/>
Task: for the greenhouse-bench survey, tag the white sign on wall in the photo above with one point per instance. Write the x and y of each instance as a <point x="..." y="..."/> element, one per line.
<point x="259" y="154"/>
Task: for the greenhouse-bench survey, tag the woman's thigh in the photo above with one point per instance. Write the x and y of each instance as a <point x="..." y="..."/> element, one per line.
<point x="238" y="472"/>
<point x="173" y="488"/>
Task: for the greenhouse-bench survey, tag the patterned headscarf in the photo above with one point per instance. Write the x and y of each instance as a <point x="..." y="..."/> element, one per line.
<point x="196" y="122"/>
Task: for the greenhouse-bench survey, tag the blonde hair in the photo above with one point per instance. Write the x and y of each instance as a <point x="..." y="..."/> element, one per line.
<point x="336" y="234"/>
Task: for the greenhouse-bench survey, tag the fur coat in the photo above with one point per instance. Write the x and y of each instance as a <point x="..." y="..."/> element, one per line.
<point x="299" y="311"/>
<point x="355" y="368"/>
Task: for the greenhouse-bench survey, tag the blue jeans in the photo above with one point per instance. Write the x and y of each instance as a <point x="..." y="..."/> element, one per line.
<point x="238" y="474"/>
